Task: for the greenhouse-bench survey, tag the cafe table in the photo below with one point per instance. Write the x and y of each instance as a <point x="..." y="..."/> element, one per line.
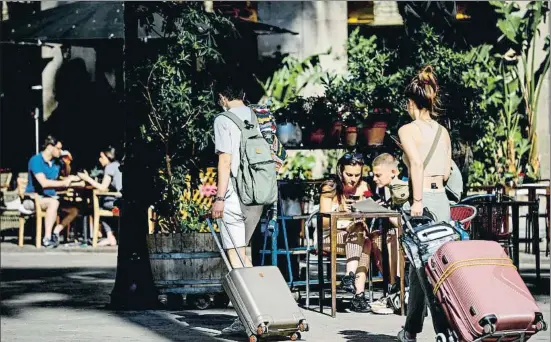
<point x="333" y="217"/>
<point x="80" y="195"/>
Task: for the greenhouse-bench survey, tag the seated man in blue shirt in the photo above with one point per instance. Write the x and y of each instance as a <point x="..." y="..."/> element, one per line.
<point x="44" y="171"/>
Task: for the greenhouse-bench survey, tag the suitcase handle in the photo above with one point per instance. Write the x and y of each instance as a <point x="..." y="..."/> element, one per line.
<point x="219" y="244"/>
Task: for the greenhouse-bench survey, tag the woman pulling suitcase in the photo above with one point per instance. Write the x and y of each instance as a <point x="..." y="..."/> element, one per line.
<point x="427" y="154"/>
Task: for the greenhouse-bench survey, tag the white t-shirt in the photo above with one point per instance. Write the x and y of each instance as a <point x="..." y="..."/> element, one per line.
<point x="227" y="136"/>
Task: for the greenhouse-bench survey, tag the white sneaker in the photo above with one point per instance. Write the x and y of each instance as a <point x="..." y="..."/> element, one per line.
<point x="24" y="211"/>
<point x="381" y="307"/>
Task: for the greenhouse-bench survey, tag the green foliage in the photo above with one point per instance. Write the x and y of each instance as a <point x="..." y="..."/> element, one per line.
<point x="373" y="80"/>
<point x="288" y="81"/>
<point x="521" y="32"/>
<point x="179" y="90"/>
<point x="298" y="166"/>
<point x="509" y="146"/>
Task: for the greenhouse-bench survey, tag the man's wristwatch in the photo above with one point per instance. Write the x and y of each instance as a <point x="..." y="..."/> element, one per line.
<point x="218" y="198"/>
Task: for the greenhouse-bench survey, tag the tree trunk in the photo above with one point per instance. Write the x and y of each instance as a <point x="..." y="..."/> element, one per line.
<point x="134" y="288"/>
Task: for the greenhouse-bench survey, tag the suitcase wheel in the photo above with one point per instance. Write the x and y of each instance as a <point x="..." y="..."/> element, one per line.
<point x="541" y="326"/>
<point x="295" y="336"/>
<point x="262" y="329"/>
<point x="441" y="338"/>
<point x="489" y="329"/>
<point x="302" y="327"/>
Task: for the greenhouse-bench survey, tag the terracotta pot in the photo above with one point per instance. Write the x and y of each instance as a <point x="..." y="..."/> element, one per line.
<point x="375" y="132"/>
<point x="351" y="136"/>
<point x="336" y="132"/>
<point x="317" y="135"/>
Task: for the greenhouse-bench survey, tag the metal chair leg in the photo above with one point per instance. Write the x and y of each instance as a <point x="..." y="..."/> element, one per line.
<point x="287" y="252"/>
<point x="263" y="254"/>
<point x="307" y="279"/>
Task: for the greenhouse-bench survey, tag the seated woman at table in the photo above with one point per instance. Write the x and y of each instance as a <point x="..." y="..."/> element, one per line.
<point x="352" y="236"/>
<point x="112" y="181"/>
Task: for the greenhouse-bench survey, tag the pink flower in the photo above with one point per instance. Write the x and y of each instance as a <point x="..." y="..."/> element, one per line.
<point x="376" y="110"/>
<point x="207" y="190"/>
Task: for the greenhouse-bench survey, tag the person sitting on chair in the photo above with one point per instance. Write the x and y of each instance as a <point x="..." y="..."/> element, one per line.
<point x="352" y="237"/>
<point x="44" y="169"/>
<point x="112" y="180"/>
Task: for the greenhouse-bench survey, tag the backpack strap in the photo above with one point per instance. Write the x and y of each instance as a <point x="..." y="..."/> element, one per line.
<point x="433" y="147"/>
<point x="236" y="120"/>
<point x="254" y="119"/>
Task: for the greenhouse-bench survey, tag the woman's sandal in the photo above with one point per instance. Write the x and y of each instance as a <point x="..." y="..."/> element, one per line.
<point x="106" y="243"/>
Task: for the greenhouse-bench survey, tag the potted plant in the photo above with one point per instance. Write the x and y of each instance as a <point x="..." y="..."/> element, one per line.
<point x="373" y="86"/>
<point x="321" y="129"/>
<point x="289" y="121"/>
<point x="351" y="125"/>
<point x="375" y="126"/>
<point x="297" y="168"/>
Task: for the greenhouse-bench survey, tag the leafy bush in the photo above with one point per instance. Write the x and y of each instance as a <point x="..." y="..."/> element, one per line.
<point x="178" y="85"/>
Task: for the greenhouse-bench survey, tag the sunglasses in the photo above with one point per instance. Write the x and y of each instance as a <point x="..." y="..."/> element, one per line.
<point x="350" y="157"/>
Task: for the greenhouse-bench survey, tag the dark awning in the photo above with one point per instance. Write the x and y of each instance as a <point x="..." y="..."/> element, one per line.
<point x="87" y="21"/>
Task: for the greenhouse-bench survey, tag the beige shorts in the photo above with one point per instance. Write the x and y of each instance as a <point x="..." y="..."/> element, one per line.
<point x="239" y="219"/>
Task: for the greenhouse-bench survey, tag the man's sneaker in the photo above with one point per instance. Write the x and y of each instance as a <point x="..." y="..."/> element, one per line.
<point x="348" y="283"/>
<point x="359" y="304"/>
<point x="48" y="242"/>
<point x="235" y="328"/>
<point x="24" y="210"/>
<point x="402" y="337"/>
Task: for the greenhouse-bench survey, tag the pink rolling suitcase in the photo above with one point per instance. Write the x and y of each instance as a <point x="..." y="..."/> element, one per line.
<point x="482" y="293"/>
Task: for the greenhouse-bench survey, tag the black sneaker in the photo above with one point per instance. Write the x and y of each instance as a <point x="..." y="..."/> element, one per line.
<point x="48" y="243"/>
<point x="348" y="283"/>
<point x="359" y="303"/>
<point x="55" y="239"/>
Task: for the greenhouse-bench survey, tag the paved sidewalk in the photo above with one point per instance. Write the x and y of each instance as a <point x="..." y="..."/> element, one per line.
<point x="60" y="296"/>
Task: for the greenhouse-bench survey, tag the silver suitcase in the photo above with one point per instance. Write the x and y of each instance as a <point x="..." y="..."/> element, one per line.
<point x="262" y="298"/>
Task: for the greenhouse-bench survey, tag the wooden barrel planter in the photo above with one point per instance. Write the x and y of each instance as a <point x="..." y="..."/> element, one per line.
<point x="188" y="264"/>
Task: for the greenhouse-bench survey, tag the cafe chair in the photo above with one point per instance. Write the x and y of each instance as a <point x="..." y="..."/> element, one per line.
<point x="464" y="214"/>
<point x="494" y="229"/>
<point x="5" y="180"/>
<point x="38" y="215"/>
<point x="99" y="212"/>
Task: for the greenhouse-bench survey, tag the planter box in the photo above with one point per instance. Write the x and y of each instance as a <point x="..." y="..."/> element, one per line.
<point x="186" y="263"/>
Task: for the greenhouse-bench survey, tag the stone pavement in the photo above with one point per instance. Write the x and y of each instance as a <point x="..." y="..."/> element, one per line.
<point x="61" y="296"/>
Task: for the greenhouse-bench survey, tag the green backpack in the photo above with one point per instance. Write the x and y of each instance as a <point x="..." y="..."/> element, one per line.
<point x="256" y="179"/>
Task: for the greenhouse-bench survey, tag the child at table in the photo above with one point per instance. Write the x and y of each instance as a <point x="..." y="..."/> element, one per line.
<point x="112" y="181"/>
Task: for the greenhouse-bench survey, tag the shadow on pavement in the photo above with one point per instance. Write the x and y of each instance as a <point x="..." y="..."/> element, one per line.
<point x="359" y="336"/>
<point x="23" y="290"/>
